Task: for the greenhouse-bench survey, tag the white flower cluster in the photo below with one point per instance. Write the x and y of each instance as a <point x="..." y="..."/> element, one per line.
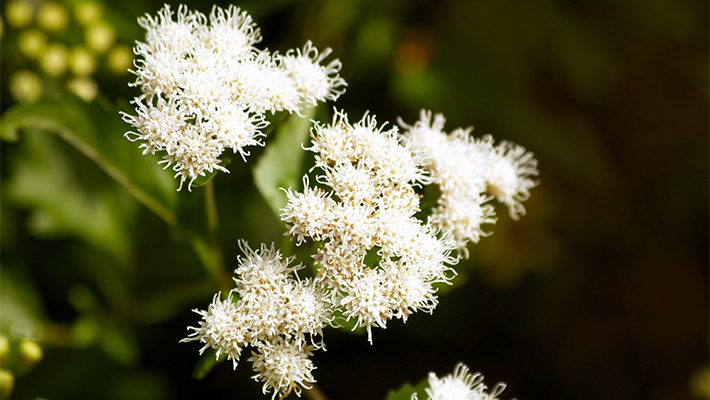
<point x="470" y="172"/>
<point x="206" y="88"/>
<point x="368" y="212"/>
<point x="460" y="385"/>
<point x="272" y="310"/>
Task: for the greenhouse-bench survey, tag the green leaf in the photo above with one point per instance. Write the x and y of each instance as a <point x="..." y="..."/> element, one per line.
<point x="406" y="391"/>
<point x="206" y="363"/>
<point x="97" y="133"/>
<point x="280" y="165"/>
<point x="43" y="181"/>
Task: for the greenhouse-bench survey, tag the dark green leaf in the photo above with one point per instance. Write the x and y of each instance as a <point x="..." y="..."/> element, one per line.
<point x="98" y="134"/>
<point x="206" y="363"/>
<point x="280" y="165"/>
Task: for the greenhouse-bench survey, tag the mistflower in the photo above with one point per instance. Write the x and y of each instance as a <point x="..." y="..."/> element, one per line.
<point x="283" y="367"/>
<point x="367" y="213"/>
<point x="271" y="310"/>
<point x="217" y="87"/>
<point x="460" y="385"/>
<point x="470" y="172"/>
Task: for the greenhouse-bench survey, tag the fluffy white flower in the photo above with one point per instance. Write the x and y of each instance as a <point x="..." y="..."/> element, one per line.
<point x="220" y="329"/>
<point x="272" y="310"/>
<point x="368" y="214"/>
<point x="205" y="87"/>
<point x="283" y="367"/>
<point x="460" y="385"/>
<point x="469" y="172"/>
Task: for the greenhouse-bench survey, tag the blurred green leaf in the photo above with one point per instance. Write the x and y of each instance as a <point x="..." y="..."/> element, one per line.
<point x="206" y="363"/>
<point x="21" y="310"/>
<point x="280" y="165"/>
<point x="98" y="134"/>
<point x="406" y="391"/>
<point x="119" y="343"/>
<point x="43" y="181"/>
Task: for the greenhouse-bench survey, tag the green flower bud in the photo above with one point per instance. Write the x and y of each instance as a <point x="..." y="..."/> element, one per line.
<point x="120" y="59"/>
<point x="87" y="12"/>
<point x="55" y="59"/>
<point x="25" y="86"/>
<point x="30" y="352"/>
<point x="32" y="43"/>
<point x="52" y="16"/>
<point x="18" y="13"/>
<point x="81" y="62"/>
<point x="4" y="347"/>
<point x="85" y="88"/>
<point x="100" y="37"/>
<point x="7" y="383"/>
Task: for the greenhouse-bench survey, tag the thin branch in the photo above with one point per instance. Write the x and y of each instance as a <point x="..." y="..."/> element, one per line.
<point x="218" y="268"/>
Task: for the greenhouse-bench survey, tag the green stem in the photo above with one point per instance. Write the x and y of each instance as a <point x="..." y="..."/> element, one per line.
<point x="218" y="268"/>
<point x="314" y="393"/>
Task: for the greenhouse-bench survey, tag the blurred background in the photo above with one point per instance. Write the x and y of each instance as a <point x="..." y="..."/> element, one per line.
<point x="599" y="292"/>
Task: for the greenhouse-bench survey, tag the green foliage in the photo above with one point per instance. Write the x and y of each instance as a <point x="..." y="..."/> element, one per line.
<point x="206" y="363"/>
<point x="406" y="391"/>
<point x="97" y="133"/>
<point x="280" y="165"/>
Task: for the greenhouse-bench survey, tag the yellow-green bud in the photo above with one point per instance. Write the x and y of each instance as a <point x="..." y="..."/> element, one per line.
<point x="52" y="16"/>
<point x="25" y="86"/>
<point x="84" y="88"/>
<point x="18" y="13"/>
<point x="82" y="61"/>
<point x="87" y="12"/>
<point x="7" y="383"/>
<point x="100" y="37"/>
<point x="4" y="347"/>
<point x="2" y="28"/>
<point x="55" y="59"/>
<point x="32" y="43"/>
<point x="120" y="59"/>
<point x="30" y="352"/>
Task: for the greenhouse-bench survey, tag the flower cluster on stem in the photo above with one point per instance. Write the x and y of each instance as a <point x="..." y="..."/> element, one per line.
<point x="206" y="88"/>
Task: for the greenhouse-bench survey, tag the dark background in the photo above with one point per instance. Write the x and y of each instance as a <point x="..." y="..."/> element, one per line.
<point x="600" y="292"/>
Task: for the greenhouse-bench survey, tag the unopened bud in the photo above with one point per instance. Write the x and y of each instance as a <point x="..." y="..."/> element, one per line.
<point x="120" y="59"/>
<point x="7" y="383"/>
<point x="54" y="61"/>
<point x="82" y="61"/>
<point x="52" y="16"/>
<point x="4" y="347"/>
<point x="30" y="352"/>
<point x="25" y="86"/>
<point x="32" y="43"/>
<point x="100" y="37"/>
<point x="87" y="12"/>
<point x="18" y="13"/>
<point x="85" y="88"/>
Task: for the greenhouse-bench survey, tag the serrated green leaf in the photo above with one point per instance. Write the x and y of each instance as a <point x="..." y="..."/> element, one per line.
<point x="406" y="391"/>
<point x="206" y="363"/>
<point x="280" y="165"/>
<point x="98" y="134"/>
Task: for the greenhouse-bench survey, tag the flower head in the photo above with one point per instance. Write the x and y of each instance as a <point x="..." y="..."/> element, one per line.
<point x="283" y="367"/>
<point x="205" y="87"/>
<point x="460" y="385"/>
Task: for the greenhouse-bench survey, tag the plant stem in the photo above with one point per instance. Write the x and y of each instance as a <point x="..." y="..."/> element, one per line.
<point x="314" y="393"/>
<point x="218" y="268"/>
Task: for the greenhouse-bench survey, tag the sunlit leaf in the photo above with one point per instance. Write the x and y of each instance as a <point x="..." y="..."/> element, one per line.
<point x="280" y="165"/>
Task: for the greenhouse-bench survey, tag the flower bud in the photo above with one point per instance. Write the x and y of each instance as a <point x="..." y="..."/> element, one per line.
<point x="100" y="37"/>
<point x="81" y="62"/>
<point x="54" y="61"/>
<point x="87" y="12"/>
<point x="119" y="59"/>
<point x="4" y="347"/>
<point x="85" y="88"/>
<point x="7" y="383"/>
<point x="18" y="13"/>
<point x="32" y="43"/>
<point x="52" y="16"/>
<point x="25" y="86"/>
<point x="30" y="352"/>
